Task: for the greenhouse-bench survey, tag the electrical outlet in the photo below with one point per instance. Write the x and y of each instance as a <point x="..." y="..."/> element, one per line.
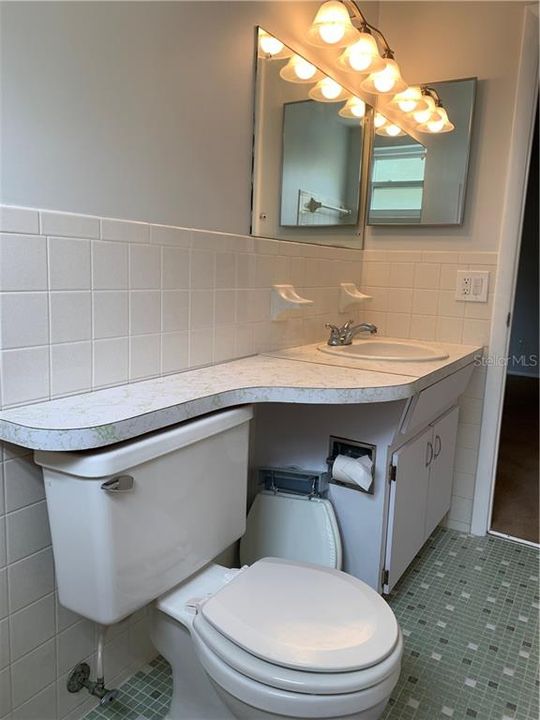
<point x="472" y="285"/>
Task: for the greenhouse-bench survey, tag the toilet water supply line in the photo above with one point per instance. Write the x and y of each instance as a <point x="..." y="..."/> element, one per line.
<point x="79" y="677"/>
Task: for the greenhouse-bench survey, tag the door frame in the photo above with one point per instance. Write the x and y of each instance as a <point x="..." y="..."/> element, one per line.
<point x="525" y="104"/>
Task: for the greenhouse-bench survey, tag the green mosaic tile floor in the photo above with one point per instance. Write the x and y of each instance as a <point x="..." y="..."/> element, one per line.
<point x="468" y="608"/>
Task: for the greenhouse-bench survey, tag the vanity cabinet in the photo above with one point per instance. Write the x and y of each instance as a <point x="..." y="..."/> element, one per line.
<point x="421" y="475"/>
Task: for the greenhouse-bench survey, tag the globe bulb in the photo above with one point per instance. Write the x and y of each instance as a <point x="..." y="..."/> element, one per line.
<point x="363" y="52"/>
<point x="409" y="99"/>
<point x="422" y="116"/>
<point x="384" y="80"/>
<point x="379" y="120"/>
<point x="330" y="89"/>
<point x="303" y="69"/>
<point x="270" y="45"/>
<point x="331" y="33"/>
<point x="357" y="107"/>
<point x="392" y="130"/>
<point x="332" y="25"/>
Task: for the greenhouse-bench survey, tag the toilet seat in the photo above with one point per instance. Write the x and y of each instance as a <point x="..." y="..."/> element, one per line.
<point x="210" y="642"/>
<point x="302" y="617"/>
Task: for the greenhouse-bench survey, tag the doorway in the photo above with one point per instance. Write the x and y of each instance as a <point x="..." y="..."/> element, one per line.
<point x="515" y="503"/>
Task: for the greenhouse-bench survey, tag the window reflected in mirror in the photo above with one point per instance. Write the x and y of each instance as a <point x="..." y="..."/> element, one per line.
<point x="422" y="180"/>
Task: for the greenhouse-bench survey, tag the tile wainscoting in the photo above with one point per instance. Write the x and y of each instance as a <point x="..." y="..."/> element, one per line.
<point x="88" y="302"/>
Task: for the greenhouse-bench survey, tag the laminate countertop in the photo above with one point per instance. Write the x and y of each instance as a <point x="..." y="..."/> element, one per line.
<point x="298" y="375"/>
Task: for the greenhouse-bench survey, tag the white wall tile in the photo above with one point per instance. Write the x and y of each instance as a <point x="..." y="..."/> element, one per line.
<point x="175" y="268"/>
<point x="449" y="329"/>
<point x="201" y="348"/>
<point x="5" y="692"/>
<point x="110" y="313"/>
<point x="225" y="270"/>
<point x="145" y="267"/>
<point x="111" y="362"/>
<point x="71" y="368"/>
<point x="18" y="220"/>
<point x="109" y="266"/>
<point x="23" y="262"/>
<point x="41" y="707"/>
<point x="425" y="302"/>
<point x="27" y="531"/>
<point x="69" y="264"/>
<point x="66" y="224"/>
<point x="125" y="231"/>
<point x="174" y="352"/>
<point x="32" y="626"/>
<point x="426" y="275"/>
<point x="71" y="316"/>
<point x="175" y="310"/>
<point x="30" y="579"/>
<point x="24" y="319"/>
<point x="423" y="327"/>
<point x="449" y="306"/>
<point x="145" y="356"/>
<point x="23" y="483"/>
<point x="145" y="312"/>
<point x="166" y="235"/>
<point x="3" y="551"/>
<point x="225" y="303"/>
<point x="202" y="309"/>
<point x="5" y="655"/>
<point x="4" y="606"/>
<point x="25" y="375"/>
<point x="33" y="672"/>
<point x="202" y="269"/>
<point x="75" y="643"/>
<point x="401" y="275"/>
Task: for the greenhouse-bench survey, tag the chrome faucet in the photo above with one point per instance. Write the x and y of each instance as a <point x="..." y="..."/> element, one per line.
<point x="344" y="335"/>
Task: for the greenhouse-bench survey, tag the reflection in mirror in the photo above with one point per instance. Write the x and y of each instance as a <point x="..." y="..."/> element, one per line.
<point x="422" y="180"/>
<point x="308" y="146"/>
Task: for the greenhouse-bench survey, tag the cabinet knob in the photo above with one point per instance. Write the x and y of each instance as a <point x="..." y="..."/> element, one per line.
<point x="438" y="446"/>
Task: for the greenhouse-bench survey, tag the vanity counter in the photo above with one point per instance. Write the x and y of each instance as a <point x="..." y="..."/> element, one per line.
<point x="104" y="417"/>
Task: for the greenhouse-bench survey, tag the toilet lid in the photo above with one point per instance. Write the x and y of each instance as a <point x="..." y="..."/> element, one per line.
<point x="304" y="617"/>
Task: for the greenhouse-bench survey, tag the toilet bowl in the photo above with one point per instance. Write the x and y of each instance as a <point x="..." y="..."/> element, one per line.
<point x="277" y="639"/>
<point x="285" y="637"/>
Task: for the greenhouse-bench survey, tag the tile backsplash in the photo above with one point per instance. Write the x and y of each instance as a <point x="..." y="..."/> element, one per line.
<point x="88" y="302"/>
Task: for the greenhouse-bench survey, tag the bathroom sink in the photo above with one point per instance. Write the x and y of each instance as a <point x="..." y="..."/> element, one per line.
<point x="386" y="349"/>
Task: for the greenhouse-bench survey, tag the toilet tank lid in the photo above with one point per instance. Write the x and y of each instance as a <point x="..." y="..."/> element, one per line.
<point x="304" y="617"/>
<point x="128" y="454"/>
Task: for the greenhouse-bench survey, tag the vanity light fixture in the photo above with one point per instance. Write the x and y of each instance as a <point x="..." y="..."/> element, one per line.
<point x="354" y="108"/>
<point x="270" y="47"/>
<point x="386" y="81"/>
<point x="332" y="26"/>
<point x="328" y="90"/>
<point x="436" y="119"/>
<point x="299" y="70"/>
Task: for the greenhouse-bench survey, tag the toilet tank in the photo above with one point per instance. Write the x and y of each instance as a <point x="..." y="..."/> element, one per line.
<point x="131" y="521"/>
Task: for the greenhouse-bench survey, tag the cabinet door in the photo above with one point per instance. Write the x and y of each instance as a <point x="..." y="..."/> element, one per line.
<point x="441" y="469"/>
<point x="407" y="509"/>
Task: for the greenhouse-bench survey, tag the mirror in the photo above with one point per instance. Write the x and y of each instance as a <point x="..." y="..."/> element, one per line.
<point x="308" y="153"/>
<point x="422" y="180"/>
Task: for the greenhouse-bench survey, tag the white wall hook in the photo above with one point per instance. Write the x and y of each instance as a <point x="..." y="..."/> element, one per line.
<point x="350" y="295"/>
<point x="286" y="302"/>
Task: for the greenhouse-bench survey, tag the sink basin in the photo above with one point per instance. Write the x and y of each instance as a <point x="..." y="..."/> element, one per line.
<point x="386" y="349"/>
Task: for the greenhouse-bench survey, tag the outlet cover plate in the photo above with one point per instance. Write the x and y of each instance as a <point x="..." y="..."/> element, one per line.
<point x="472" y="285"/>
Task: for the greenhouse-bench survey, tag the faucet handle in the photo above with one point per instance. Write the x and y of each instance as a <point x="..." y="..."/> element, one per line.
<point x="333" y="328"/>
<point x="348" y="325"/>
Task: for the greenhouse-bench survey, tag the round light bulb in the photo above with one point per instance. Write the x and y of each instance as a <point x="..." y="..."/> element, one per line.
<point x="422" y="116"/>
<point x="362" y="53"/>
<point x="409" y="99"/>
<point x="330" y="89"/>
<point x="303" y="69"/>
<point x="331" y="33"/>
<point x="379" y="120"/>
<point x="357" y="107"/>
<point x="392" y="130"/>
<point x="270" y="45"/>
<point x="332" y="25"/>
<point x="384" y="80"/>
<point x="437" y="121"/>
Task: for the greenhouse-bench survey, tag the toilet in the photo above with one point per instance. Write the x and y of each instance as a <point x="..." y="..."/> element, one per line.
<point x="281" y="637"/>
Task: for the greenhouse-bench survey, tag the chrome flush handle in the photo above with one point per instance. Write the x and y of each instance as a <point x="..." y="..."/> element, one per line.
<point x="118" y="484"/>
